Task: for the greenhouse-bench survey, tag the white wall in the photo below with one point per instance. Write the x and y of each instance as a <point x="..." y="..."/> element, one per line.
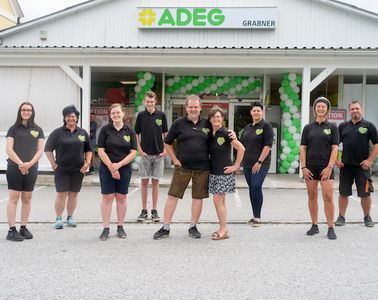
<point x="371" y="106"/>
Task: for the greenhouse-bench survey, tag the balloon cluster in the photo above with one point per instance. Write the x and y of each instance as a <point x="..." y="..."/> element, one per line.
<point x="291" y="123"/>
<point x="223" y="85"/>
<point x="145" y="82"/>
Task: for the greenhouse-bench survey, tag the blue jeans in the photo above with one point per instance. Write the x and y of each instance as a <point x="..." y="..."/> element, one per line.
<point x="255" y="182"/>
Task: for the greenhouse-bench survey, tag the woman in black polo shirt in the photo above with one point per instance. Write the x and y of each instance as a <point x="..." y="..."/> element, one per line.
<point x="222" y="177"/>
<point x="117" y="148"/>
<point x="24" y="147"/>
<point x="318" y="153"/>
<point x="73" y="154"/>
<point x="257" y="139"/>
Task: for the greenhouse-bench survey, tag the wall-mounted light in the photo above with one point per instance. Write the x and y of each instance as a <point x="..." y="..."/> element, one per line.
<point x="43" y="35"/>
<point x="128" y="82"/>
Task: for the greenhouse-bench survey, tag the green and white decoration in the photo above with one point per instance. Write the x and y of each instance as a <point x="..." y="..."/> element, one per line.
<point x="146" y="81"/>
<point x="222" y="85"/>
<point x="291" y="122"/>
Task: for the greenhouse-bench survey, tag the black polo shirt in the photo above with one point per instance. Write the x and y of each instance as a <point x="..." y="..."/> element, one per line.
<point x="151" y="128"/>
<point x="25" y="142"/>
<point x="319" y="138"/>
<point x="355" y="139"/>
<point x="69" y="147"/>
<point x="220" y="151"/>
<point x="192" y="142"/>
<point x="254" y="138"/>
<point x="117" y="144"/>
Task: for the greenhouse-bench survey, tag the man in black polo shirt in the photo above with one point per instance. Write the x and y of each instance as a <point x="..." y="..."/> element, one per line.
<point x="356" y="162"/>
<point x="150" y="127"/>
<point x="191" y="162"/>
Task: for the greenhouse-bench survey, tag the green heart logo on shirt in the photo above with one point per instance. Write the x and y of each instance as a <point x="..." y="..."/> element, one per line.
<point x="158" y="122"/>
<point x="34" y="133"/>
<point x="206" y="130"/>
<point x="327" y="131"/>
<point x="81" y="138"/>
<point x="259" y="131"/>
<point x="220" y="141"/>
<point x="126" y="138"/>
<point x="362" y="130"/>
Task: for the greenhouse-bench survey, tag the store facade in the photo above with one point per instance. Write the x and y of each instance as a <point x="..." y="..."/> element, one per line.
<point x="284" y="53"/>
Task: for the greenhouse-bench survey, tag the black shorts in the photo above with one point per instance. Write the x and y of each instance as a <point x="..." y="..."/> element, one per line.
<point x="109" y="185"/>
<point x="316" y="172"/>
<point x="361" y="177"/>
<point x="19" y="182"/>
<point x="66" y="181"/>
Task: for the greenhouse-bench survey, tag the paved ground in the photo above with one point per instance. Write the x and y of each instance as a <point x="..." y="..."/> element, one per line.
<point x="276" y="261"/>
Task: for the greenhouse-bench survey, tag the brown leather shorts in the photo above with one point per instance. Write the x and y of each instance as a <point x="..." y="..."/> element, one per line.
<point x="181" y="179"/>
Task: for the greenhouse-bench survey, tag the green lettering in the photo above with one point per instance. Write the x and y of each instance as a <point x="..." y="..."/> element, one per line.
<point x="199" y="14"/>
<point x="183" y="16"/>
<point x="215" y="17"/>
<point x="166" y="18"/>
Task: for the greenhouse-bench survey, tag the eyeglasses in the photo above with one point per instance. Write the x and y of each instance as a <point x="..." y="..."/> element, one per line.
<point x="26" y="110"/>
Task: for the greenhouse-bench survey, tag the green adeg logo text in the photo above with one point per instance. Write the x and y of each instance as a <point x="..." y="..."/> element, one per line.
<point x="194" y="16"/>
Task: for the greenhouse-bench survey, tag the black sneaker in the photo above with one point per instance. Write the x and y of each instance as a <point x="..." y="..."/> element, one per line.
<point x="154" y="215"/>
<point x="143" y="216"/>
<point x="368" y="221"/>
<point x="194" y="233"/>
<point x="340" y="221"/>
<point x="14" y="236"/>
<point x="161" y="233"/>
<point x="105" y="234"/>
<point x="250" y="222"/>
<point x="313" y="230"/>
<point x="26" y="234"/>
<point x="121" y="233"/>
<point x="331" y="234"/>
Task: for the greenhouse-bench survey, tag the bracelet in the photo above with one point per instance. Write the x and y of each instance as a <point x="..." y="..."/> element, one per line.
<point x="303" y="168"/>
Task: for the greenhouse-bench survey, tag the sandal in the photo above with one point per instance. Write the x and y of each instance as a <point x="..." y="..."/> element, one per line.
<point x="216" y="236"/>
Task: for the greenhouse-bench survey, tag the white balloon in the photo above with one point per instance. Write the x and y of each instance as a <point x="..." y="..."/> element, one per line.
<point x="281" y="90"/>
<point x="296" y="89"/>
<point x="147" y="76"/>
<point x="284" y="97"/>
<point x="188" y="86"/>
<point x="245" y="83"/>
<point x="251" y="79"/>
<point x="226" y="79"/>
<point x="142" y="82"/>
<point x="293" y="84"/>
<point x="232" y="91"/>
<point x="284" y="144"/>
<point x="293" y="109"/>
<point x="183" y="90"/>
<point x="207" y="91"/>
<point x="283" y="156"/>
<point x="286" y="115"/>
<point x="258" y="89"/>
<point x="292" y="129"/>
<point x="238" y="87"/>
<point x="298" y="143"/>
<point x="201" y="79"/>
<point x="286" y="150"/>
<point x="170" y="82"/>
<point x="291" y="171"/>
<point x="137" y="89"/>
<point x="220" y="82"/>
<point x="288" y="102"/>
<point x="138" y="159"/>
<point x="296" y="137"/>
<point x="288" y="123"/>
<point x="135" y="166"/>
<point x="141" y="107"/>
<point x="176" y="78"/>
<point x="296" y="115"/>
<point x="135" y="115"/>
<point x="294" y="164"/>
<point x="195" y="82"/>
<point x="213" y="87"/>
<point x="296" y="157"/>
<point x="292" y="76"/>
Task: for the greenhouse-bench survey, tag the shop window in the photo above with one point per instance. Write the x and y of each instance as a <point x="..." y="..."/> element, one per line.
<point x="329" y="88"/>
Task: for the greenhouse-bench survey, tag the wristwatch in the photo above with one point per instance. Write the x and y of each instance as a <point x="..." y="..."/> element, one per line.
<point x="260" y="162"/>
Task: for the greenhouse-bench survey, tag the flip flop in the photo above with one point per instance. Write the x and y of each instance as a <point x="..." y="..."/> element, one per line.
<point x="217" y="237"/>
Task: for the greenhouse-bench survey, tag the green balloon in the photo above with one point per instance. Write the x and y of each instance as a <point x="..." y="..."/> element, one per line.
<point x="288" y="137"/>
<point x="297" y="103"/>
<point x="292" y="144"/>
<point x="239" y="79"/>
<point x="292" y="96"/>
<point x="288" y="90"/>
<point x="282" y="104"/>
<point x="153" y="77"/>
<point x="140" y="75"/>
<point x="290" y="157"/>
<point x="285" y="82"/>
<point x="285" y="76"/>
<point x="286" y="164"/>
<point x="285" y="109"/>
<point x="296" y="122"/>
<point x="298" y="79"/>
<point x="169" y="90"/>
<point x="295" y="151"/>
<point x="257" y="83"/>
<point x="189" y="79"/>
<point x="285" y="130"/>
<point x="282" y="170"/>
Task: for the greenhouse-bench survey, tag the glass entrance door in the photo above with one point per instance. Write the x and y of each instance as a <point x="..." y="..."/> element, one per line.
<point x="239" y="117"/>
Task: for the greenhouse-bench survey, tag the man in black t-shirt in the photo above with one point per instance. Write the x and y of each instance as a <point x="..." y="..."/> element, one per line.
<point x="150" y="128"/>
<point x="356" y="161"/>
<point x="191" y="161"/>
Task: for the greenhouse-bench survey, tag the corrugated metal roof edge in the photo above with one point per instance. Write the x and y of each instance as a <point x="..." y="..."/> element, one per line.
<point x="90" y="3"/>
